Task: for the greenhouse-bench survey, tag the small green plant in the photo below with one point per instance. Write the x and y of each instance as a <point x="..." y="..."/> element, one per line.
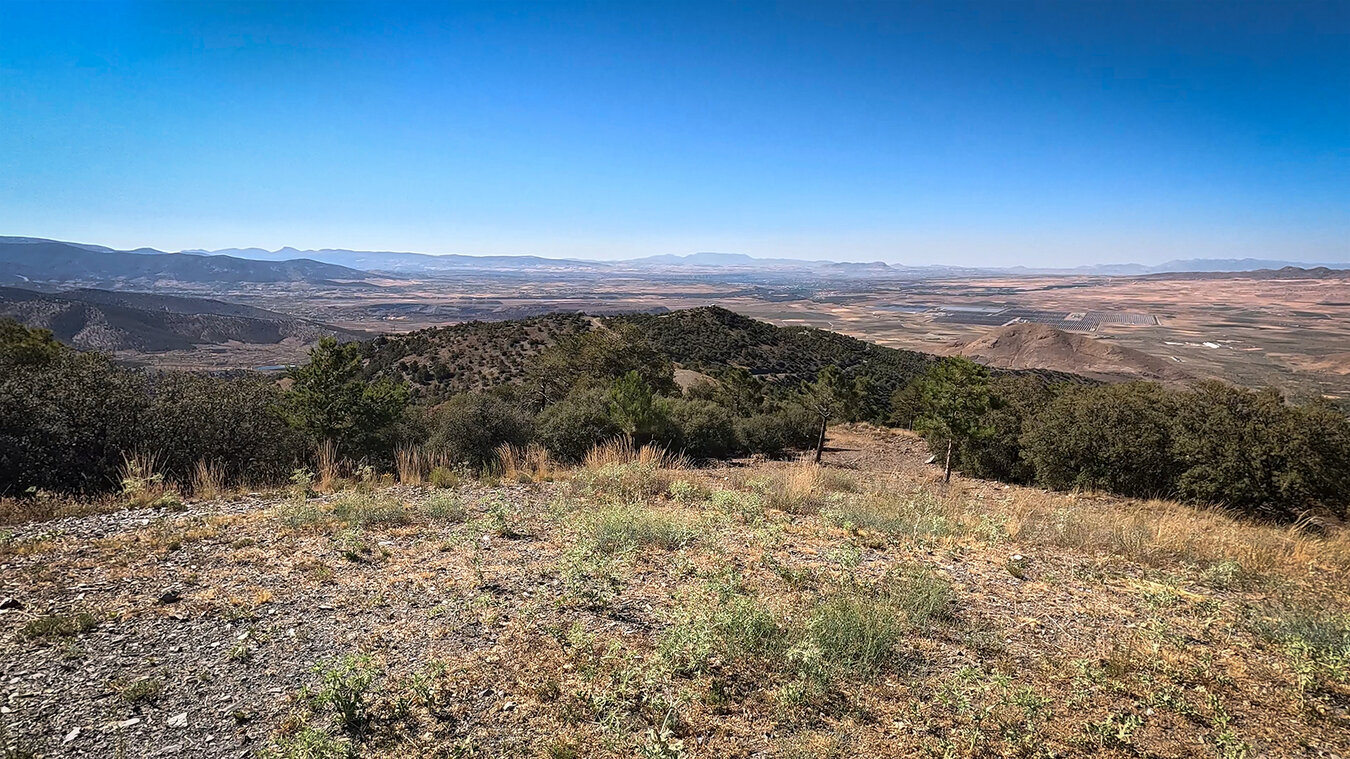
<point x="500" y="513"/>
<point x="141" y="691"/>
<point x="1116" y="730"/>
<point x="445" y="507"/>
<point x="58" y="626"/>
<point x="345" y="686"/>
<point x="302" y="483"/>
<point x="625" y="528"/>
<point x="351" y="543"/>
<point x="917" y="518"/>
<point x="685" y="492"/>
<point x="444" y="477"/>
<point x="1227" y="575"/>
<point x="745" y="507"/>
<point x="362" y="509"/>
<point x="309" y="743"/>
<point x="142" y="483"/>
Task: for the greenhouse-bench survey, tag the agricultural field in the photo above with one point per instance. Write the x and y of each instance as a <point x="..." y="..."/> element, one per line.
<point x="1252" y="329"/>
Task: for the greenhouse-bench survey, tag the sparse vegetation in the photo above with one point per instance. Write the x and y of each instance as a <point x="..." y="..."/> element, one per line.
<point x="587" y="578"/>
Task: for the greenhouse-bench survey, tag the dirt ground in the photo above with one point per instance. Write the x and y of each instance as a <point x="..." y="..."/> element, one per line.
<point x="761" y="609"/>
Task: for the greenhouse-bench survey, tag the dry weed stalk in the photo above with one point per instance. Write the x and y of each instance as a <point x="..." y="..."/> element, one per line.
<point x="411" y="464"/>
<point x="326" y="461"/>
<point x="208" y="479"/>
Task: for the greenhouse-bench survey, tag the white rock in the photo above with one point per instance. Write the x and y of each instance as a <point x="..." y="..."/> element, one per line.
<point x="178" y="720"/>
<point x="72" y="735"/>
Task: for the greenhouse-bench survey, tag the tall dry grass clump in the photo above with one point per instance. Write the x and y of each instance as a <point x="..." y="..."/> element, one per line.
<point x="528" y="463"/>
<point x="143" y="482"/>
<point x="622" y="451"/>
<point x="208" y="479"/>
<point x="327" y="465"/>
<point x="411" y="464"/>
<point x="621" y="471"/>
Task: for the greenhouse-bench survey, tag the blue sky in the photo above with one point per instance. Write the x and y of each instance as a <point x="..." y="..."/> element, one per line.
<point x="1005" y="133"/>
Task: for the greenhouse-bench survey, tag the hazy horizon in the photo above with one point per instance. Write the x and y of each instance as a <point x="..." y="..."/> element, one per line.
<point x="978" y="134"/>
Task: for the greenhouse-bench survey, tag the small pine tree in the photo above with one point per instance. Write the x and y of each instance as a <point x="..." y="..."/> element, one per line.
<point x="329" y="400"/>
<point x="954" y="397"/>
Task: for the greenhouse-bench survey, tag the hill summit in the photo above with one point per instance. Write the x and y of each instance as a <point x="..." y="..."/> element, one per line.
<point x="1038" y="346"/>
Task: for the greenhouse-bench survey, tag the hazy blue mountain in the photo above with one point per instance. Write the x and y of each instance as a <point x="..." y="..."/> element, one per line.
<point x="34" y="260"/>
<point x="408" y="263"/>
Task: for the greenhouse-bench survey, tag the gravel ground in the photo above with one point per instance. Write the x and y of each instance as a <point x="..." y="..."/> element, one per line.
<point x="227" y="626"/>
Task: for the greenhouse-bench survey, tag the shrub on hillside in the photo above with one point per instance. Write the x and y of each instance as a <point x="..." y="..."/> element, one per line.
<point x="773" y="434"/>
<point x="1116" y="438"/>
<point x="1252" y="451"/>
<point x="65" y="420"/>
<point x="1015" y="402"/>
<point x="576" y="424"/>
<point x="469" y="427"/>
<point x="237" y="423"/>
<point x="699" y="428"/>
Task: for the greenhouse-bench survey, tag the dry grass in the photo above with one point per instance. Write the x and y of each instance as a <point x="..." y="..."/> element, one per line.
<point x="143" y="483"/>
<point x="1162" y="532"/>
<point x="208" y="480"/>
<point x="528" y="464"/>
<point x="622" y="451"/>
<point x="328" y="464"/>
<point x="411" y="464"/>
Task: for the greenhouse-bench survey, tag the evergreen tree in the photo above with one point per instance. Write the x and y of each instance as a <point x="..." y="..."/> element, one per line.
<point x="329" y="400"/>
<point x="954" y="397"/>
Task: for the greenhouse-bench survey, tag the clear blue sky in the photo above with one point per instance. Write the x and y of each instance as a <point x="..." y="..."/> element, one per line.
<point x="992" y="133"/>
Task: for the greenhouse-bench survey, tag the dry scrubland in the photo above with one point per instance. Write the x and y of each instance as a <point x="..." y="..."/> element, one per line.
<point x="628" y="608"/>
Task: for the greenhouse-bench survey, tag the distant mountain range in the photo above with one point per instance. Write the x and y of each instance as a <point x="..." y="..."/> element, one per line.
<point x="113" y="321"/>
<point x="422" y="263"/>
<point x="26" y="260"/>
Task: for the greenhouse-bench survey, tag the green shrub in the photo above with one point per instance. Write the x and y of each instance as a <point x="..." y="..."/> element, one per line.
<point x="700" y="429"/>
<point x="1253" y="452"/>
<point x="856" y="630"/>
<point x="470" y="427"/>
<point x="237" y="422"/>
<point x="65" y="422"/>
<point x="1115" y="438"/>
<point x="773" y="434"/>
<point x="573" y="426"/>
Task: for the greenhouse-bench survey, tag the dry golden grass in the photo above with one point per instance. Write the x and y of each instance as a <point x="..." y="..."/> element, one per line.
<point x="1163" y="532"/>
<point x="208" y="480"/>
<point x="328" y="466"/>
<point x="623" y="451"/>
<point x="411" y="464"/>
<point x="528" y="463"/>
